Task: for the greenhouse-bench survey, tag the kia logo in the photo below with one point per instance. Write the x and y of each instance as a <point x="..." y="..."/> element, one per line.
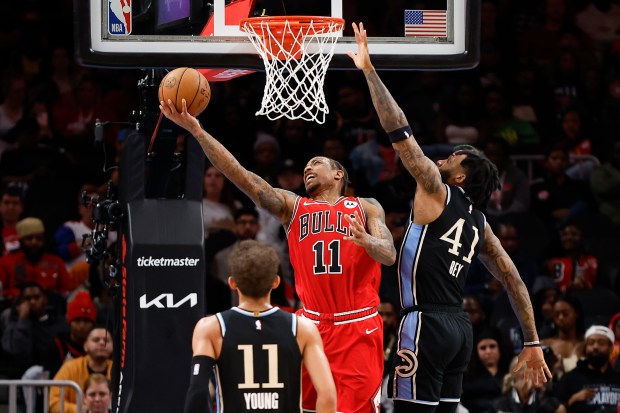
<point x="166" y="300"/>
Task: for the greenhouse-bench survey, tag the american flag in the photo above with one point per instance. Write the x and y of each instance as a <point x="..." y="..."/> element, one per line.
<point x="428" y="23"/>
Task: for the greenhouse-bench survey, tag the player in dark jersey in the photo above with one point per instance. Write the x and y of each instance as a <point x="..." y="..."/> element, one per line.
<point x="446" y="231"/>
<point x="257" y="349"/>
<point x="336" y="245"/>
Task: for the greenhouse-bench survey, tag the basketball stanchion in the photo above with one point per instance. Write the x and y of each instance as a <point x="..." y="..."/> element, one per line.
<point x="296" y="51"/>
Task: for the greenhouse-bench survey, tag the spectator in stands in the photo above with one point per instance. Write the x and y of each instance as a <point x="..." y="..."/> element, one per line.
<point x="356" y="120"/>
<point x="499" y="122"/>
<point x="373" y="162"/>
<point x="539" y="42"/>
<point x="98" y="347"/>
<point x="32" y="263"/>
<point x="569" y="328"/>
<point x="218" y="201"/>
<point x="514" y="194"/>
<point x="75" y="124"/>
<point x="483" y="379"/>
<point x="11" y="209"/>
<point x="477" y="316"/>
<point x="521" y="396"/>
<point x="557" y="197"/>
<point x="605" y="184"/>
<point x="573" y="268"/>
<point x="247" y="227"/>
<point x="593" y="385"/>
<point x="97" y="394"/>
<point x="291" y="177"/>
<point x="296" y="139"/>
<point x="544" y="295"/>
<point x="69" y="236"/>
<point x="614" y="325"/>
<point x="573" y="136"/>
<point x="69" y="345"/>
<point x="12" y="107"/>
<point x="30" y="329"/>
<point x="459" y="121"/>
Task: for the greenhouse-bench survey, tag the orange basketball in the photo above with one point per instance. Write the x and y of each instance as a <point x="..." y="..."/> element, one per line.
<point x="189" y="84"/>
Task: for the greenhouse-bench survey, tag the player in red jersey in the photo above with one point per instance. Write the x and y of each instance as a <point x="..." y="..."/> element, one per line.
<point x="336" y="245"/>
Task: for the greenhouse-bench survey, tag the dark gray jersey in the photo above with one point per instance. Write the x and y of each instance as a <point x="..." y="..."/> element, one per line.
<point x="435" y="258"/>
<point x="259" y="367"/>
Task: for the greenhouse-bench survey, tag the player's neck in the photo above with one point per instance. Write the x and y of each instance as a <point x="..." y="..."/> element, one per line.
<point x="254" y="304"/>
<point x="327" y="196"/>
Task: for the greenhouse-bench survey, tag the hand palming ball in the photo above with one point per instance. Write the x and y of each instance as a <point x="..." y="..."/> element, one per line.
<point x="189" y="84"/>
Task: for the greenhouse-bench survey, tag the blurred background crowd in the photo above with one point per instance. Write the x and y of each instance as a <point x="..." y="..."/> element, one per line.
<point x="543" y="104"/>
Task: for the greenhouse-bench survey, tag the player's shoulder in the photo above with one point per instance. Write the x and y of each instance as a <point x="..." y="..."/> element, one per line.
<point x="305" y="327"/>
<point x="208" y="324"/>
<point x="371" y="204"/>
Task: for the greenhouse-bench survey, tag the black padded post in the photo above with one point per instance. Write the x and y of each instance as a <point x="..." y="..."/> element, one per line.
<point x="162" y="287"/>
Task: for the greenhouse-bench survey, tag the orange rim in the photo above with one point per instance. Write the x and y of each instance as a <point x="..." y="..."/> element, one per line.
<point x="318" y="22"/>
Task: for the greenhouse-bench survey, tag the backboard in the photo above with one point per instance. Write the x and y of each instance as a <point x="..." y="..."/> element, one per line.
<point x="403" y="34"/>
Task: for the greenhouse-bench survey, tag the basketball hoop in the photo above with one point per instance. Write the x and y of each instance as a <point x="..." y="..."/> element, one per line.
<point x="296" y="51"/>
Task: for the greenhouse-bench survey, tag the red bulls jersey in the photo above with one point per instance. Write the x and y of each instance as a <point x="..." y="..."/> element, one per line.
<point x="331" y="275"/>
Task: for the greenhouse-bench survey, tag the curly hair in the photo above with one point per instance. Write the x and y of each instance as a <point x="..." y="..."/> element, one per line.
<point x="482" y="176"/>
<point x="254" y="265"/>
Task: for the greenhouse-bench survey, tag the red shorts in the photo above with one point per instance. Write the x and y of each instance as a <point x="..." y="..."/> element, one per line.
<point x="354" y="349"/>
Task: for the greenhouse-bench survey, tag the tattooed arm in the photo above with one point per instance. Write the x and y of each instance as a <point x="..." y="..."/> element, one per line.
<point x="392" y="118"/>
<point x="277" y="201"/>
<point x="497" y="261"/>
<point x="378" y="241"/>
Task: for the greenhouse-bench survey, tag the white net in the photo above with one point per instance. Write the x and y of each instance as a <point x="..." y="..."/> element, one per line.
<point x="296" y="52"/>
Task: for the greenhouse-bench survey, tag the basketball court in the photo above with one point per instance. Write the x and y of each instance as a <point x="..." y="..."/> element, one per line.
<point x="293" y="44"/>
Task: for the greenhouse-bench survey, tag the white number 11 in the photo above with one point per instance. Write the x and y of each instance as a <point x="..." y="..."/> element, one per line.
<point x="248" y="367"/>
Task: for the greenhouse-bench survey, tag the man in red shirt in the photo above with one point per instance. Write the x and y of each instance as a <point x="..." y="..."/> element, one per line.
<point x="11" y="208"/>
<point x="336" y="245"/>
<point x="31" y="263"/>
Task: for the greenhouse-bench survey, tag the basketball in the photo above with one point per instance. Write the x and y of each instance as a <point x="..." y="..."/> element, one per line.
<point x="189" y="84"/>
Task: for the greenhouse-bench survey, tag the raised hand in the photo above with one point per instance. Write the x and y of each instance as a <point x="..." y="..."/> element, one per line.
<point x="362" y="57"/>
<point x="357" y="230"/>
<point x="183" y="119"/>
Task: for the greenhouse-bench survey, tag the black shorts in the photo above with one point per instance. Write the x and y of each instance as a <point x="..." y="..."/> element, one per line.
<point x="434" y="348"/>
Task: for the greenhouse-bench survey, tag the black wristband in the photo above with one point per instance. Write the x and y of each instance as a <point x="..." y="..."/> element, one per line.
<point x="400" y="134"/>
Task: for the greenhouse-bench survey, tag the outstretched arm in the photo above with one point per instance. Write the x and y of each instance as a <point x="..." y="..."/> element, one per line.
<point x="378" y="241"/>
<point x="497" y="261"/>
<point x="393" y="119"/>
<point x="277" y="201"/>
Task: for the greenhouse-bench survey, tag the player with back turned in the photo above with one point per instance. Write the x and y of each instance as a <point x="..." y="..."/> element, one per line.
<point x="257" y="349"/>
<point x="445" y="232"/>
<point x="337" y="245"/>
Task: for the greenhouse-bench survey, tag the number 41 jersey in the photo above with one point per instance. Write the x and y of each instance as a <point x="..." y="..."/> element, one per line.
<point x="331" y="275"/>
<point x="435" y="258"/>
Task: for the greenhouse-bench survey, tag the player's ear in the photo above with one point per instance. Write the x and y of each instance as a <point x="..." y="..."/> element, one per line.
<point x="459" y="178"/>
<point x="232" y="283"/>
<point x="276" y="282"/>
<point x="339" y="174"/>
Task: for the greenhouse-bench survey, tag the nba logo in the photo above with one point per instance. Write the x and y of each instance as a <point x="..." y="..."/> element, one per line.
<point x="119" y="17"/>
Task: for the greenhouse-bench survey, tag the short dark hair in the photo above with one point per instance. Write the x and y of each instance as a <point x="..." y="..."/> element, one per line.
<point x="245" y="211"/>
<point x="345" y="179"/>
<point x="30" y="284"/>
<point x="13" y="190"/>
<point x="482" y="177"/>
<point x="254" y="266"/>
